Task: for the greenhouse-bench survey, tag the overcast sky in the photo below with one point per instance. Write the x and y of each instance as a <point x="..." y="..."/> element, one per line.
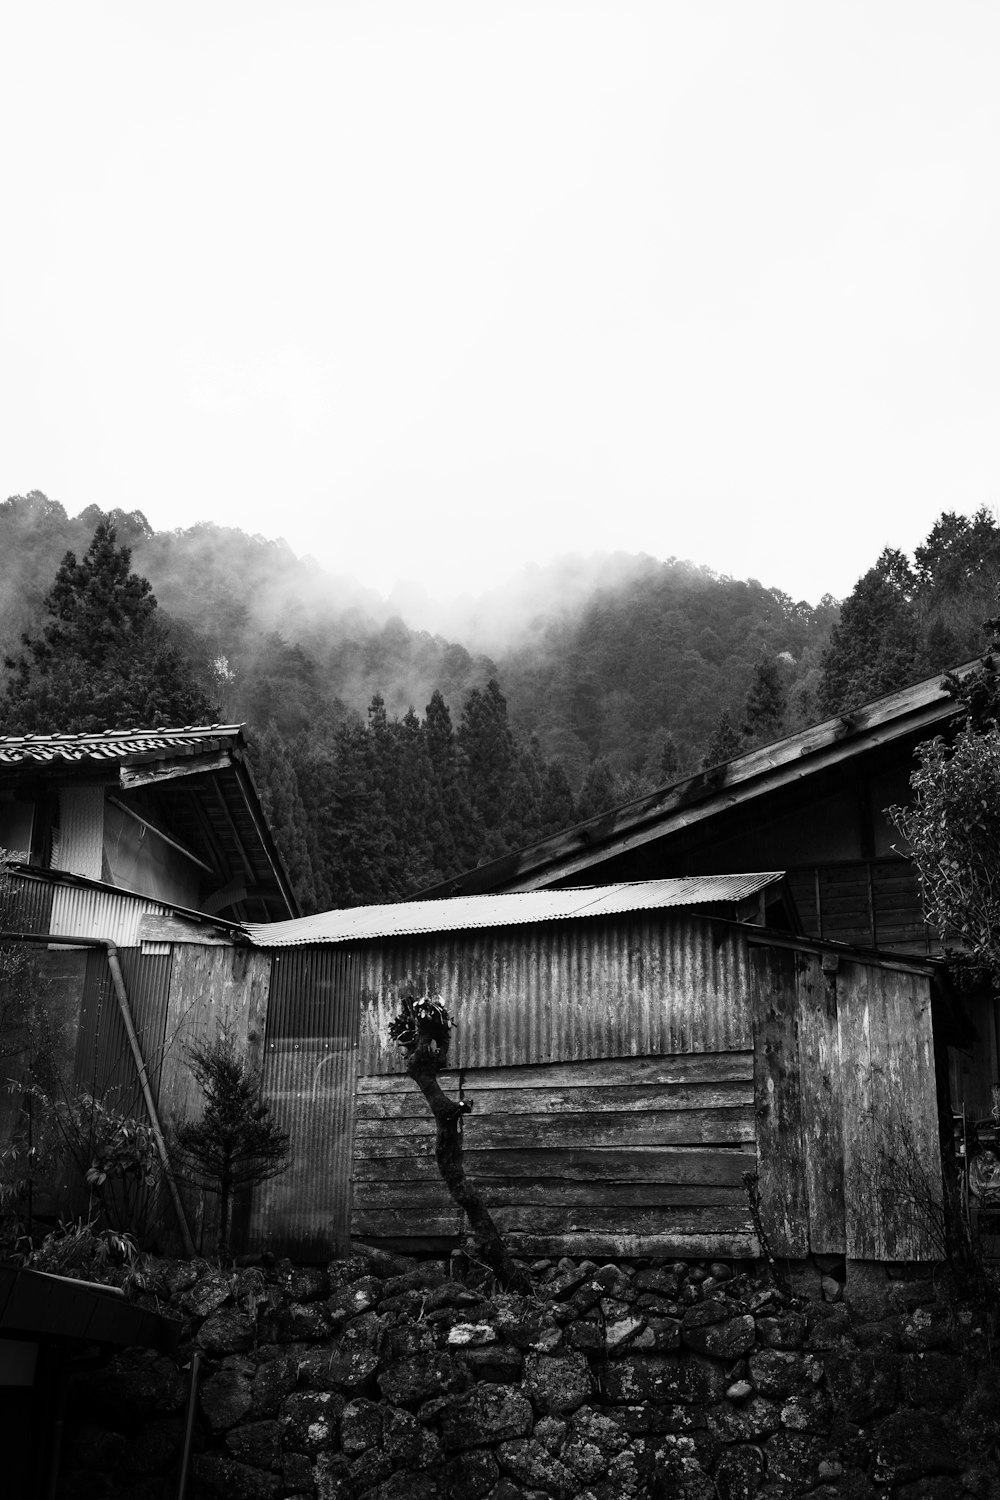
<point x="435" y="289"/>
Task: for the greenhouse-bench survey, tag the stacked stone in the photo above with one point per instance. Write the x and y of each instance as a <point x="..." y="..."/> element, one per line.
<point x="379" y="1378"/>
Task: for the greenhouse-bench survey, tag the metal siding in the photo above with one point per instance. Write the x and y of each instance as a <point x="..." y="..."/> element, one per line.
<point x="310" y="1071"/>
<point x="81" y="831"/>
<point x="104" y="1063"/>
<point x="26" y="904"/>
<point x="78" y="911"/>
<point x="613" y="987"/>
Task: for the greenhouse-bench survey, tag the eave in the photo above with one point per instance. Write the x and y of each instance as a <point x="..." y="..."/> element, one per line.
<point x="910" y="713"/>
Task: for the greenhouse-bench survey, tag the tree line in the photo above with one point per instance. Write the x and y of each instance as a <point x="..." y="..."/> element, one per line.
<point x="670" y="670"/>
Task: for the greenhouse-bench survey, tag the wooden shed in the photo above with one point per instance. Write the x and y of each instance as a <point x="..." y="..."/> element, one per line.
<point x="632" y="1052"/>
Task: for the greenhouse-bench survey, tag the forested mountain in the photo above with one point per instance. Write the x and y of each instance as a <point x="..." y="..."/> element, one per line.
<point x="390" y="758"/>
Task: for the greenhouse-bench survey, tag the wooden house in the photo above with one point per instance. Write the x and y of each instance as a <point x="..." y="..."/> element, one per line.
<point x="813" y="805"/>
<point x="118" y="839"/>
<point x="169" y="814"/>
<point x="632" y="1051"/>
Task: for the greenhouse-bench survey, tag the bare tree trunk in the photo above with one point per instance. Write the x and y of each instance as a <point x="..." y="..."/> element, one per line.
<point x="424" y="1064"/>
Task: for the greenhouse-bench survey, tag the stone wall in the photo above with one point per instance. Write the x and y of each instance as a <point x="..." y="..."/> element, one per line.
<point x="378" y="1378"/>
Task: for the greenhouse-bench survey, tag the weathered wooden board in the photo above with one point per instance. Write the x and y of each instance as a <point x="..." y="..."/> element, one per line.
<point x="575" y="1219"/>
<point x="864" y="1231"/>
<point x="211" y="988"/>
<point x="416" y="1194"/>
<point x="694" y="1126"/>
<point x="591" y="1149"/>
<point x="684" y="1067"/>
<point x="783" y="1199"/>
<point x="822" y="1117"/>
<point x="632" y="1246"/>
<point x="667" y="1164"/>
<point x="411" y="1105"/>
<point x="892" y="1159"/>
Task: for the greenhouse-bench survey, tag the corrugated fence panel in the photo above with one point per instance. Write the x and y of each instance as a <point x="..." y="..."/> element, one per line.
<point x="310" y="1070"/>
<point x="26" y="904"/>
<point x="105" y="1066"/>
<point x="620" y="986"/>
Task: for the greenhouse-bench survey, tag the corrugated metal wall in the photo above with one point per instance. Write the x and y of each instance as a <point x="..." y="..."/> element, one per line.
<point x="26" y="904"/>
<point x="78" y="911"/>
<point x="624" y="986"/>
<point x="310" y="1070"/>
<point x="78" y="845"/>
<point x="104" y="1065"/>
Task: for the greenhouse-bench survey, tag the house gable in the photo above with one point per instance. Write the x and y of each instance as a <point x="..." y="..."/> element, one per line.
<point x="811" y="804"/>
<point x="169" y="813"/>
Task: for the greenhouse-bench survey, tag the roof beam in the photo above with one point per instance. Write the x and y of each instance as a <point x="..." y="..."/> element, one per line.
<point x="782" y="764"/>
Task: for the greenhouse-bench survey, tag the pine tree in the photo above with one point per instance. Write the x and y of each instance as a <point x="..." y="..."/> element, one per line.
<point x="558" y="809"/>
<point x="669" y="766"/>
<point x="451" y="836"/>
<point x="726" y="742"/>
<point x="356" y="833"/>
<point x="876" y="646"/>
<point x="766" y="705"/>
<point x="236" y="1143"/>
<point x="599" y="791"/>
<point x="103" y="659"/>
<point x="488" y="760"/>
<point x="278" y="783"/>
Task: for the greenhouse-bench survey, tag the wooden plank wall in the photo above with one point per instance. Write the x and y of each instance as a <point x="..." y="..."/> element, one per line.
<point x="847" y="1106"/>
<point x="892" y="1159"/>
<point x="625" y="1156"/>
<point x="210" y="987"/>
<point x="874" y="903"/>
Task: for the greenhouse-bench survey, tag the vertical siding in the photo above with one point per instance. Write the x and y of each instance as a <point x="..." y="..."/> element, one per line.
<point x="105" y="1066"/>
<point x="623" y="986"/>
<point x="212" y="987"/>
<point x="310" y="1069"/>
<point x="847" y="1107"/>
<point x="892" y="1157"/>
<point x="80" y="844"/>
<point x="26" y="904"/>
<point x="113" y="916"/>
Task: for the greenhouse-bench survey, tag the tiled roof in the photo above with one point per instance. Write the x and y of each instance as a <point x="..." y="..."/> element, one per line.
<point x="116" y="744"/>
<point x="462" y="912"/>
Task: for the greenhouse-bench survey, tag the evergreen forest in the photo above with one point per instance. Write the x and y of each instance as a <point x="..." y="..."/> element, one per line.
<point x="390" y="758"/>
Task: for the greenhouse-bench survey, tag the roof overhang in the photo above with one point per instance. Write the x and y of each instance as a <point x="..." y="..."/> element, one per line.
<point x="911" y="713"/>
<point x="746" y="896"/>
<point x="199" y="775"/>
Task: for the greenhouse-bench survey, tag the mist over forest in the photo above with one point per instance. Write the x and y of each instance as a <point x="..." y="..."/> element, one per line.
<point x="397" y="742"/>
<point x="597" y="656"/>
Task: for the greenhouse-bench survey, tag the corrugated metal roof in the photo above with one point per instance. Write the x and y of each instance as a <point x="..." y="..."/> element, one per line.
<point x="462" y="912"/>
<point x="114" y="744"/>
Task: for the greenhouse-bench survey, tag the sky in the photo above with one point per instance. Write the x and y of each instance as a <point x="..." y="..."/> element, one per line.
<point x="434" y="290"/>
